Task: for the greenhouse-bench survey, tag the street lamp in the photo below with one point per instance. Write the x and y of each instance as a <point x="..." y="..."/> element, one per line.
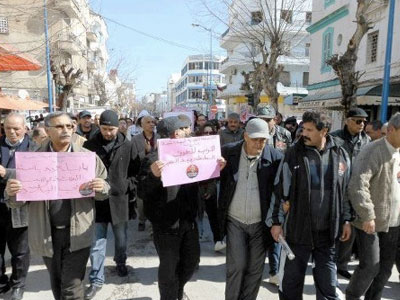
<point x="210" y="68"/>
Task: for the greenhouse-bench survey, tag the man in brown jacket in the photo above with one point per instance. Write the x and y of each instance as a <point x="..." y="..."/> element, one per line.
<point x="61" y="231"/>
<point x="374" y="192"/>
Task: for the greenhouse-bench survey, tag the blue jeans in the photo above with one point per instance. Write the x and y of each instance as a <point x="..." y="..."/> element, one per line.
<point x="274" y="254"/>
<point x="98" y="250"/>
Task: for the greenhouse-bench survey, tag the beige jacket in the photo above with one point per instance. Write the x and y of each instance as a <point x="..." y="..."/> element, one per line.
<point x="82" y="215"/>
<point x="370" y="187"/>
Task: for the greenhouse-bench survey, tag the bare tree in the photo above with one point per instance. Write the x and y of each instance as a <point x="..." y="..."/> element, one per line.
<point x="67" y="77"/>
<point x="267" y="29"/>
<point x="345" y="65"/>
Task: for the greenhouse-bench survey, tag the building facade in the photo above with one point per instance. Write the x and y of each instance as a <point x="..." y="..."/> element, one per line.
<point x="77" y="39"/>
<point x="246" y="20"/>
<point x="332" y="27"/>
<point x="198" y="81"/>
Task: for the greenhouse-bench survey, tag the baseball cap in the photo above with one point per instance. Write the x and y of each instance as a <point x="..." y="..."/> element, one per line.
<point x="267" y="112"/>
<point x="167" y="126"/>
<point x="109" y="118"/>
<point x="357" y="112"/>
<point x="84" y="113"/>
<point x="257" y="128"/>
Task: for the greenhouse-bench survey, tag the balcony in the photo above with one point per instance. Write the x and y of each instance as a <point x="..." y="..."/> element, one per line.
<point x="91" y="35"/>
<point x="68" y="43"/>
<point x="70" y="7"/>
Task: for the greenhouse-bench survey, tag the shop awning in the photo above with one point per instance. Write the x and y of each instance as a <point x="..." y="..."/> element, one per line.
<point x="15" y="103"/>
<point x="12" y="59"/>
<point x="369" y="95"/>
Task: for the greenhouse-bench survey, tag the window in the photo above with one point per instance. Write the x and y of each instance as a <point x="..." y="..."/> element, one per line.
<point x="327" y="48"/>
<point x="284" y="78"/>
<point x="287" y="16"/>
<point x="195" y="94"/>
<point x="306" y="76"/>
<point x="256" y="17"/>
<point x="307" y="50"/>
<point x="372" y="47"/>
<point x="328" y="3"/>
<point x="3" y="25"/>
<point x="308" y="17"/>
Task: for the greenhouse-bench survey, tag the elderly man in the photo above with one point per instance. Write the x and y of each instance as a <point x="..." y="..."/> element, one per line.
<point x="14" y="222"/>
<point x="61" y="231"/>
<point x="373" y="130"/>
<point x="86" y="128"/>
<point x="246" y="188"/>
<point x="374" y="192"/>
<point x="120" y="158"/>
<point x="353" y="139"/>
<point x="145" y="143"/>
<point x="233" y="132"/>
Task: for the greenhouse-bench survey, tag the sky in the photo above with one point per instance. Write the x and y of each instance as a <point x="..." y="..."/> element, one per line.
<point x="149" y="60"/>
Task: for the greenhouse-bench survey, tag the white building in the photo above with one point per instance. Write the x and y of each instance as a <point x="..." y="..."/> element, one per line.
<point x="199" y="76"/>
<point x="171" y="96"/>
<point x="332" y="27"/>
<point x="245" y="17"/>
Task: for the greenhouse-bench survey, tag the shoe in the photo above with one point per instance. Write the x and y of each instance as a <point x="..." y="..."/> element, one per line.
<point x="122" y="270"/>
<point x="274" y="279"/>
<point x="219" y="246"/>
<point x="17" y="293"/>
<point x="91" y="291"/>
<point x="344" y="273"/>
<point x="141" y="226"/>
<point x="4" y="288"/>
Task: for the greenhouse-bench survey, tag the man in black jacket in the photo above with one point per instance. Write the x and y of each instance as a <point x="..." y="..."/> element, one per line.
<point x="122" y="163"/>
<point x="172" y="212"/>
<point x="246" y="188"/>
<point x="86" y="128"/>
<point x="13" y="222"/>
<point x="310" y="188"/>
<point x="352" y="138"/>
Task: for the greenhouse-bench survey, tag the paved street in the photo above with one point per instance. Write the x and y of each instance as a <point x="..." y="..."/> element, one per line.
<point x="208" y="282"/>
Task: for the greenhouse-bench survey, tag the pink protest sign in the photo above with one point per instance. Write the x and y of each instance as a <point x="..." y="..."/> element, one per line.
<point x="54" y="175"/>
<point x="189" y="160"/>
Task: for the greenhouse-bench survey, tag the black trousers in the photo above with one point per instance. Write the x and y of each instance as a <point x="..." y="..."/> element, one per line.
<point x="245" y="257"/>
<point x="212" y="212"/>
<point x="66" y="268"/>
<point x="179" y="254"/>
<point x="292" y="272"/>
<point x="345" y="250"/>
<point x="17" y="241"/>
<point x="376" y="262"/>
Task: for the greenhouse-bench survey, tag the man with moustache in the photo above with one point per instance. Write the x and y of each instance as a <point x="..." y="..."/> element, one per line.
<point x="233" y="132"/>
<point x="13" y="222"/>
<point x="310" y="186"/>
<point x="353" y="139"/>
<point x="120" y="159"/>
<point x="61" y="231"/>
<point x="86" y="128"/>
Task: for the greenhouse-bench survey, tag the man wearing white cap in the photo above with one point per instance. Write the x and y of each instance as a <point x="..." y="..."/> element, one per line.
<point x="246" y="188"/>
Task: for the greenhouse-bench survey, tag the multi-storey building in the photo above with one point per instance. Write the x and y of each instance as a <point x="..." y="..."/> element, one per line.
<point x="332" y="27"/>
<point x="77" y="39"/>
<point x="199" y="75"/>
<point x="171" y="96"/>
<point x="245" y="22"/>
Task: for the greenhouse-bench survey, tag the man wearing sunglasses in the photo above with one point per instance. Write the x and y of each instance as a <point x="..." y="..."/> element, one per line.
<point x="353" y="139"/>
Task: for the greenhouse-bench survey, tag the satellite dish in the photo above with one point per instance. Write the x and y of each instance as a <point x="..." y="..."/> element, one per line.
<point x="23" y="94"/>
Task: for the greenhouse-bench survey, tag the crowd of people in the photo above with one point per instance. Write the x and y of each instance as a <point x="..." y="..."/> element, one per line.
<point x="326" y="195"/>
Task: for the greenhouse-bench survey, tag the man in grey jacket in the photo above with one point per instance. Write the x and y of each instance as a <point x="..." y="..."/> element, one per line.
<point x="374" y="192"/>
<point x="233" y="132"/>
<point x="61" y="231"/>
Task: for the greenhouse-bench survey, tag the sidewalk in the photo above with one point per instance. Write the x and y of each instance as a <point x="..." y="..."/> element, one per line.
<point x="208" y="283"/>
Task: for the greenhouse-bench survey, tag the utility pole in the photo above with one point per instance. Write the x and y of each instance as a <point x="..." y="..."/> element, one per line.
<point x="388" y="61"/>
<point x="49" y="77"/>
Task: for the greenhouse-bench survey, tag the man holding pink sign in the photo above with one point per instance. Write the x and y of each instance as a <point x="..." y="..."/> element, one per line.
<point x="61" y="230"/>
<point x="171" y="203"/>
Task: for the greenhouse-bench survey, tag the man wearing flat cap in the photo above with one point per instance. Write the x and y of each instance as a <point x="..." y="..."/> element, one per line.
<point x="232" y="132"/>
<point x="172" y="212"/>
<point x="85" y="127"/>
<point x="121" y="160"/>
<point x="353" y="139"/>
<point x="246" y="188"/>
